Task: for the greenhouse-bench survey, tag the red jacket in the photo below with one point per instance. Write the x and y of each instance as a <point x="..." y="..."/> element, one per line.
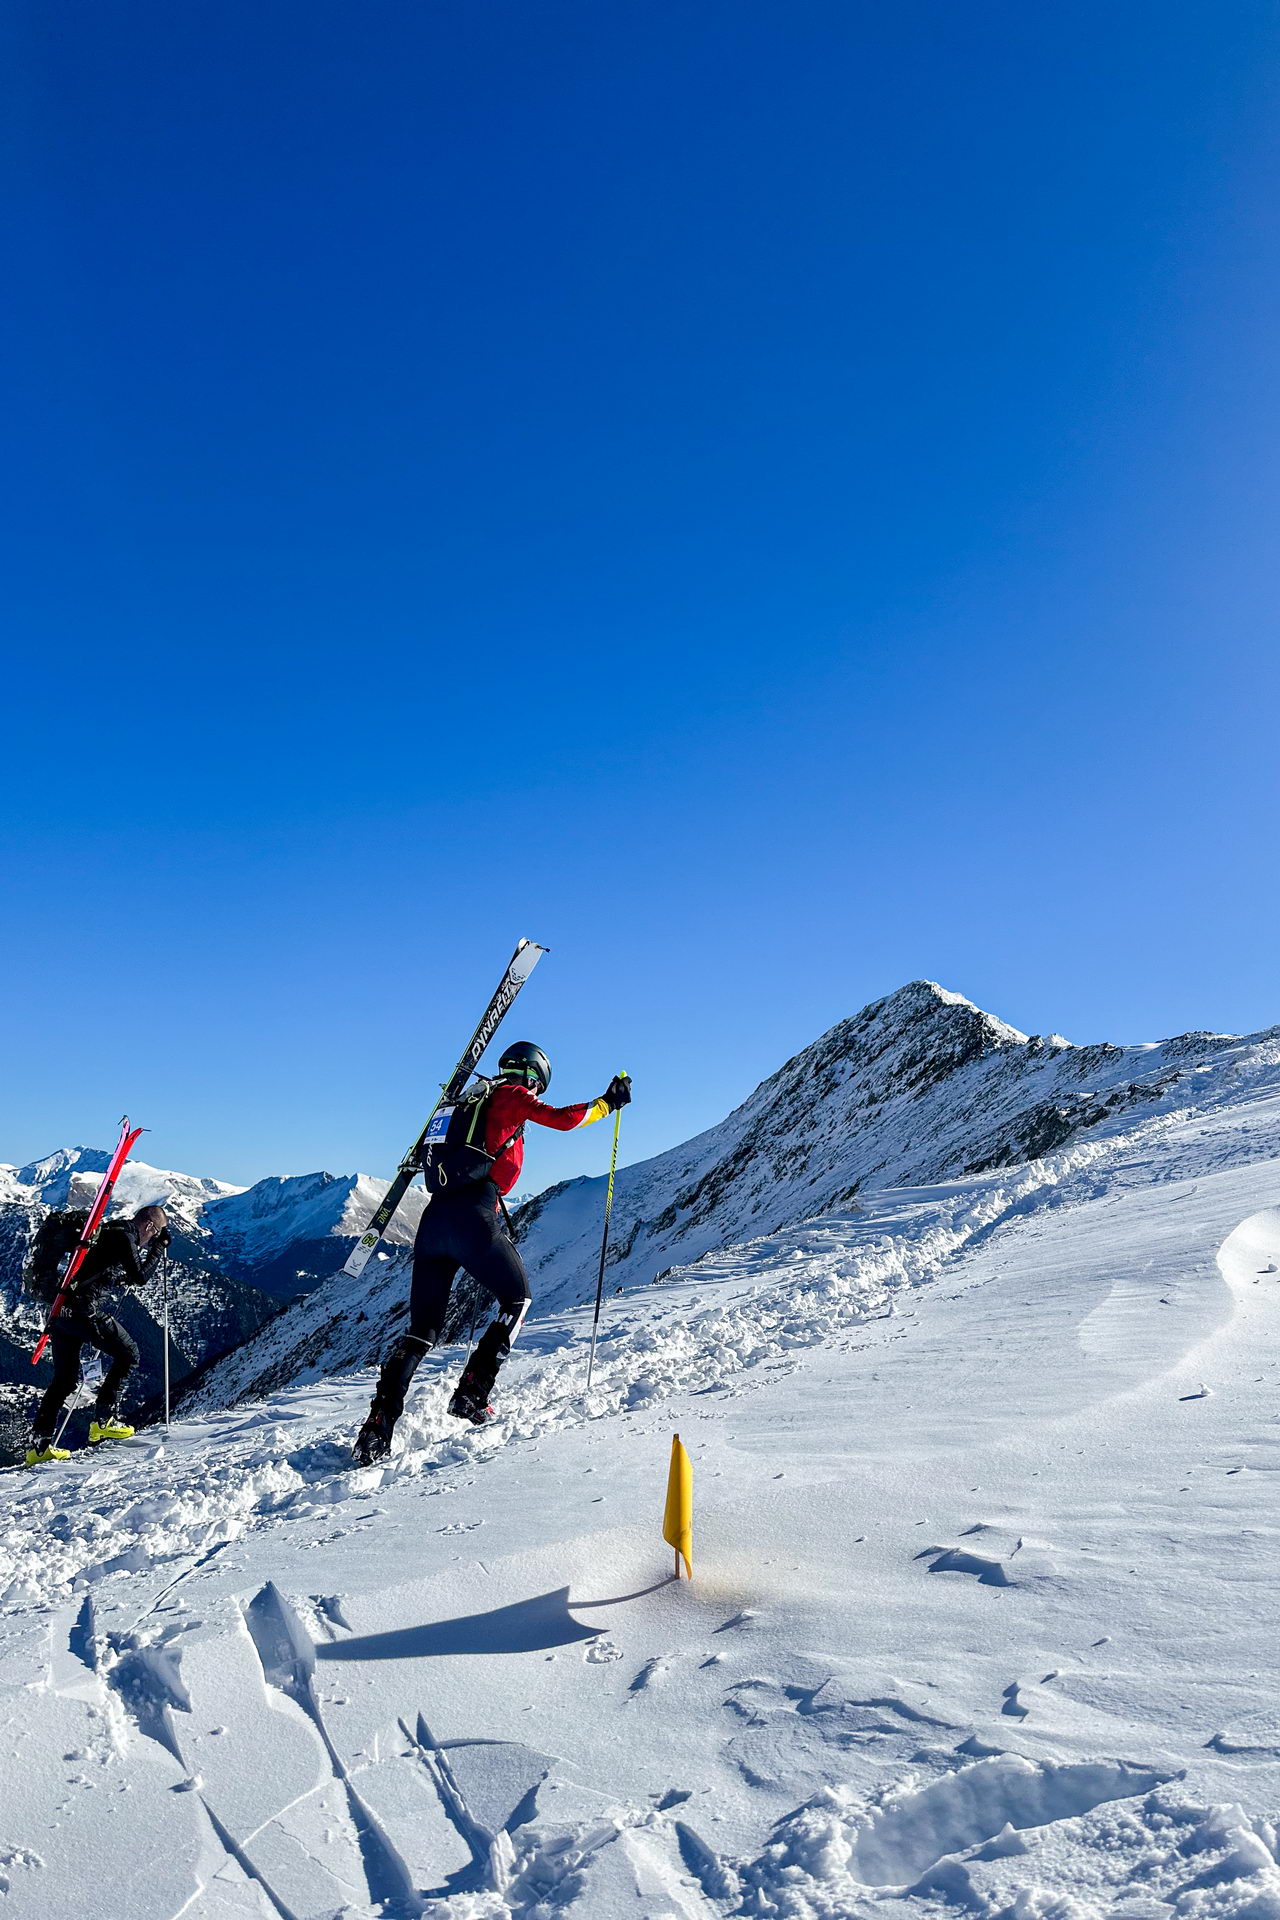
<point x="510" y="1106"/>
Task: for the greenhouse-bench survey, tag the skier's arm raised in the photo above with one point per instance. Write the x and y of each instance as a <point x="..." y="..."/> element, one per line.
<point x="511" y="1106"/>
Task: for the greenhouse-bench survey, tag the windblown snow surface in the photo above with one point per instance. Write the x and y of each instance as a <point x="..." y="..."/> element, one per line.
<point x="985" y="1617"/>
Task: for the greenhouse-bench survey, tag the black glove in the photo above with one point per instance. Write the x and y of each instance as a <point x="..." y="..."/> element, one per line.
<point x="618" y="1092"/>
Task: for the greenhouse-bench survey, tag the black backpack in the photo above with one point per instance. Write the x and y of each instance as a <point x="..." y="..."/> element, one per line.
<point x="52" y="1245"/>
<point x="454" y="1155"/>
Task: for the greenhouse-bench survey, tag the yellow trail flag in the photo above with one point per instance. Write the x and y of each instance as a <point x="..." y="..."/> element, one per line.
<point x="677" y="1521"/>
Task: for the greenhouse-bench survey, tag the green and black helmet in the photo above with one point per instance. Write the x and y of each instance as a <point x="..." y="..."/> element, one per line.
<point x="527" y="1064"/>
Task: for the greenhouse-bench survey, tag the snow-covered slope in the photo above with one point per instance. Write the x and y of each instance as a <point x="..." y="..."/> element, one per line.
<point x="985" y="1619"/>
<point x="919" y="1087"/>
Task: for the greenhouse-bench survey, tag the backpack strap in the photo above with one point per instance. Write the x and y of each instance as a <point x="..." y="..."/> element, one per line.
<point x="482" y="1106"/>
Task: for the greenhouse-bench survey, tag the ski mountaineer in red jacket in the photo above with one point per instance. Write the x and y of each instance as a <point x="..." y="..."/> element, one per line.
<point x="476" y="1161"/>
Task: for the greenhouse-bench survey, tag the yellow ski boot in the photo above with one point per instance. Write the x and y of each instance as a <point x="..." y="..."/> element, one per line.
<point x="108" y="1430"/>
<point x="47" y="1452"/>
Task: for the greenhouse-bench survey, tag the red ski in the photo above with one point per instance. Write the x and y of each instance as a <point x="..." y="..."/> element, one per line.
<point x="102" y="1200"/>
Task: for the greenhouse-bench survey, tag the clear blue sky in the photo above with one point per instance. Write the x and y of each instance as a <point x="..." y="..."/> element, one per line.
<point x="771" y="500"/>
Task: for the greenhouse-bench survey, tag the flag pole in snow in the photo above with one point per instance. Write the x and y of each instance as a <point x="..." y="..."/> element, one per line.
<point x="677" y="1517"/>
<point x="604" y="1242"/>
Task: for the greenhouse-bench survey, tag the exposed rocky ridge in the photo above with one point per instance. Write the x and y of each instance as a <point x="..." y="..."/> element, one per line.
<point x="920" y="1087"/>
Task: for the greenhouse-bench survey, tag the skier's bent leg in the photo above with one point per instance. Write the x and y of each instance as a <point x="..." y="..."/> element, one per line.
<point x="428" y="1303"/>
<point x="504" y="1275"/>
<point x="120" y="1348"/>
<point x="373" y="1441"/>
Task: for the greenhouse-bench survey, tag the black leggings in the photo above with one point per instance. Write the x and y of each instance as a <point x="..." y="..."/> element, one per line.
<point x="463" y="1230"/>
<point x="74" y="1328"/>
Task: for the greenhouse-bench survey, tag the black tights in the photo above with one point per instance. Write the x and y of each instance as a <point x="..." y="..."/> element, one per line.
<point x="74" y="1328"/>
<point x="460" y="1230"/>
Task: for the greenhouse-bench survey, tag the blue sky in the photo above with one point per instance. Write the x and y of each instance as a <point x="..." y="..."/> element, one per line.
<point x="770" y="500"/>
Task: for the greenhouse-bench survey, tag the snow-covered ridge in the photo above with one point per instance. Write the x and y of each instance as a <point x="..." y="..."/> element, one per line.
<point x="918" y="1087"/>
<point x="69" y="1178"/>
<point x="252" y="1224"/>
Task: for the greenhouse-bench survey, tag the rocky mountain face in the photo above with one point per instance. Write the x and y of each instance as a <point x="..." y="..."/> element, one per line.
<point x="237" y="1257"/>
<point x="919" y="1088"/>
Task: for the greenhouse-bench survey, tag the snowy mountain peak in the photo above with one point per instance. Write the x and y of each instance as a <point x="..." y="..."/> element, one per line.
<point x="924" y="1002"/>
<point x="253" y="1227"/>
<point x="60" y="1166"/>
<point x="69" y="1177"/>
<point x="920" y="1089"/>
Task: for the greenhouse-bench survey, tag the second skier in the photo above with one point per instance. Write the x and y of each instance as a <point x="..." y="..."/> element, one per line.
<point x="478" y="1161"/>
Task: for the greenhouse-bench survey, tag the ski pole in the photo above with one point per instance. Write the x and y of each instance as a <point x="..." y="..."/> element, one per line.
<point x="604" y="1242"/>
<point x="74" y="1401"/>
<point x="164" y="1282"/>
<point x="67" y="1412"/>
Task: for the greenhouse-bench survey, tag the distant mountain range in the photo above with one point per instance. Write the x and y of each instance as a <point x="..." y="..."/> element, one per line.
<point x="238" y="1256"/>
<point x="919" y="1088"/>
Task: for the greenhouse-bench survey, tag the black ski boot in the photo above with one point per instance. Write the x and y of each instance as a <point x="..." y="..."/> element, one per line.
<point x="470" y="1401"/>
<point x="373" y="1442"/>
<point x="479" y="1376"/>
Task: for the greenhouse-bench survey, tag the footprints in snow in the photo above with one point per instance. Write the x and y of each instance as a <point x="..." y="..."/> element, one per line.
<point x="132" y="1678"/>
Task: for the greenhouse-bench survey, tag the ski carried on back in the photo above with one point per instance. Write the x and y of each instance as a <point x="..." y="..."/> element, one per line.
<point x="522" y="963"/>
<point x="129" y="1138"/>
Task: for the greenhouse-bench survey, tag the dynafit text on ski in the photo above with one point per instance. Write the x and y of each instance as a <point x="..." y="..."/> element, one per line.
<point x="129" y="1138"/>
<point x="521" y="965"/>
